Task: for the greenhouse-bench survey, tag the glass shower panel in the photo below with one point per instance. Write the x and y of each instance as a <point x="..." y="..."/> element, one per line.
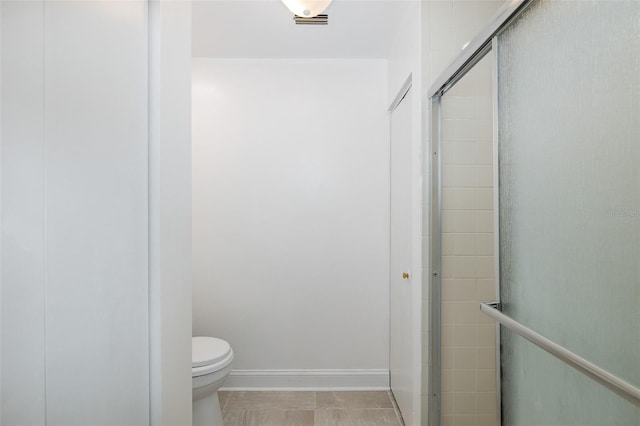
<point x="569" y="175"/>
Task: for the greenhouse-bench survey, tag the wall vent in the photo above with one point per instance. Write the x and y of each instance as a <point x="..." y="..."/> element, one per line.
<point x="316" y="20"/>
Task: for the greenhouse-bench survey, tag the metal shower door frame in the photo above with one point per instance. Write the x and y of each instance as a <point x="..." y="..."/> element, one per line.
<point x="476" y="50"/>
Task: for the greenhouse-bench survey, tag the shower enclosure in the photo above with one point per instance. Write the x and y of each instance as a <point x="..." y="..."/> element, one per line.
<point x="566" y="185"/>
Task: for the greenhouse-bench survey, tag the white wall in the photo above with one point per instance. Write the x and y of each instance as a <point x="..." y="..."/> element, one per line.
<point x="75" y="215"/>
<point x="74" y="228"/>
<point x="291" y="218"/>
<point x="95" y="213"/>
<point x="22" y="177"/>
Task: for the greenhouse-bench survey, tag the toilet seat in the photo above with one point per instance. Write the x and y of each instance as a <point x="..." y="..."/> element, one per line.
<point x="208" y="355"/>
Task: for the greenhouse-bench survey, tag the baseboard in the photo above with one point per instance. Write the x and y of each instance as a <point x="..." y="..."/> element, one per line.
<point x="307" y="380"/>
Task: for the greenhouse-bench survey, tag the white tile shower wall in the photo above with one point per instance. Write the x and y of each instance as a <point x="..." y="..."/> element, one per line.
<point x="468" y="337"/>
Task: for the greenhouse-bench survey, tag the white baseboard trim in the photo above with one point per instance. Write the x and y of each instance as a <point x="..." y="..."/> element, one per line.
<point x="309" y="380"/>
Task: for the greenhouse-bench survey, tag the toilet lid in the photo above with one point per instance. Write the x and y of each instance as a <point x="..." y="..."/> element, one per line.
<point x="208" y="350"/>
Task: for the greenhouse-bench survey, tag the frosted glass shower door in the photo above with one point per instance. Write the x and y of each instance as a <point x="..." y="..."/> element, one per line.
<point x="569" y="178"/>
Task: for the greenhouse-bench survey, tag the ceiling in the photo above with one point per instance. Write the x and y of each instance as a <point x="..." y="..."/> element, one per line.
<point x="265" y="29"/>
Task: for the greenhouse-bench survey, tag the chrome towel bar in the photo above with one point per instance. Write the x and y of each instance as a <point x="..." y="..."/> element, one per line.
<point x="606" y="379"/>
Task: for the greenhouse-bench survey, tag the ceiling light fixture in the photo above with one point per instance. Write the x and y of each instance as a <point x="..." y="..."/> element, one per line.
<point x="306" y="8"/>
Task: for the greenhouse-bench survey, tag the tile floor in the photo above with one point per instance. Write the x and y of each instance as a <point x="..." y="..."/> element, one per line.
<point x="284" y="408"/>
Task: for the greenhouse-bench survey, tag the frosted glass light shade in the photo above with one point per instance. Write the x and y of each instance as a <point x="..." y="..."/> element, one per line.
<point x="307" y="8"/>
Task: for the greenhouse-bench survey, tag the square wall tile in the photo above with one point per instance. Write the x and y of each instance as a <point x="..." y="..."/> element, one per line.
<point x="486" y="290"/>
<point x="462" y="107"/>
<point x="484" y="108"/>
<point x="487" y="420"/>
<point x="464" y="244"/>
<point x="463" y="198"/>
<point x="464" y="290"/>
<point x="486" y="380"/>
<point x="464" y="381"/>
<point x="447" y="267"/>
<point x="465" y="403"/>
<point x="464" y="153"/>
<point x="465" y="131"/>
<point x="465" y="312"/>
<point x="484" y="130"/>
<point x="447" y="244"/>
<point x="447" y="403"/>
<point x="484" y="244"/>
<point x="485" y="83"/>
<point x="464" y="221"/>
<point x="441" y="12"/>
<point x="446" y="334"/>
<point x="486" y="403"/>
<point x="446" y="148"/>
<point x="447" y="175"/>
<point x="448" y="315"/>
<point x="447" y="289"/>
<point x="484" y="154"/>
<point x="486" y="334"/>
<point x="465" y="176"/>
<point x="446" y="134"/>
<point x="486" y="357"/>
<point x="464" y="359"/>
<point x="441" y="36"/>
<point x="446" y="360"/>
<point x="484" y="176"/>
<point x="447" y="377"/>
<point x="484" y="200"/>
<point x="484" y="221"/>
<point x="464" y="13"/>
<point x="484" y="266"/>
<point x="448" y="196"/>
<point x="447" y="221"/>
<point x="464" y="334"/>
<point x="464" y="266"/>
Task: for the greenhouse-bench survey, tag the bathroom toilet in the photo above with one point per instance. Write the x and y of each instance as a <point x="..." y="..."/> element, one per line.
<point x="211" y="364"/>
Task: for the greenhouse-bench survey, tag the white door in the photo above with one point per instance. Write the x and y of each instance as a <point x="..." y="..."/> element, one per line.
<point x="401" y="308"/>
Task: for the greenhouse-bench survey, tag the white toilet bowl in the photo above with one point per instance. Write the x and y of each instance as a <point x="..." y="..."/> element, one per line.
<point x="211" y="364"/>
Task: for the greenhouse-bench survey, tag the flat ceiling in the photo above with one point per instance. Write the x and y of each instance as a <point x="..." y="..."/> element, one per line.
<point x="265" y="29"/>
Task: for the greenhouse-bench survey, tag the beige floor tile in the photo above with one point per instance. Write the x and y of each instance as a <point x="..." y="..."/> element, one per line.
<point x="356" y="417"/>
<point x="282" y="400"/>
<point x="349" y="399"/>
<point x="268" y="417"/>
<point x="223" y="396"/>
